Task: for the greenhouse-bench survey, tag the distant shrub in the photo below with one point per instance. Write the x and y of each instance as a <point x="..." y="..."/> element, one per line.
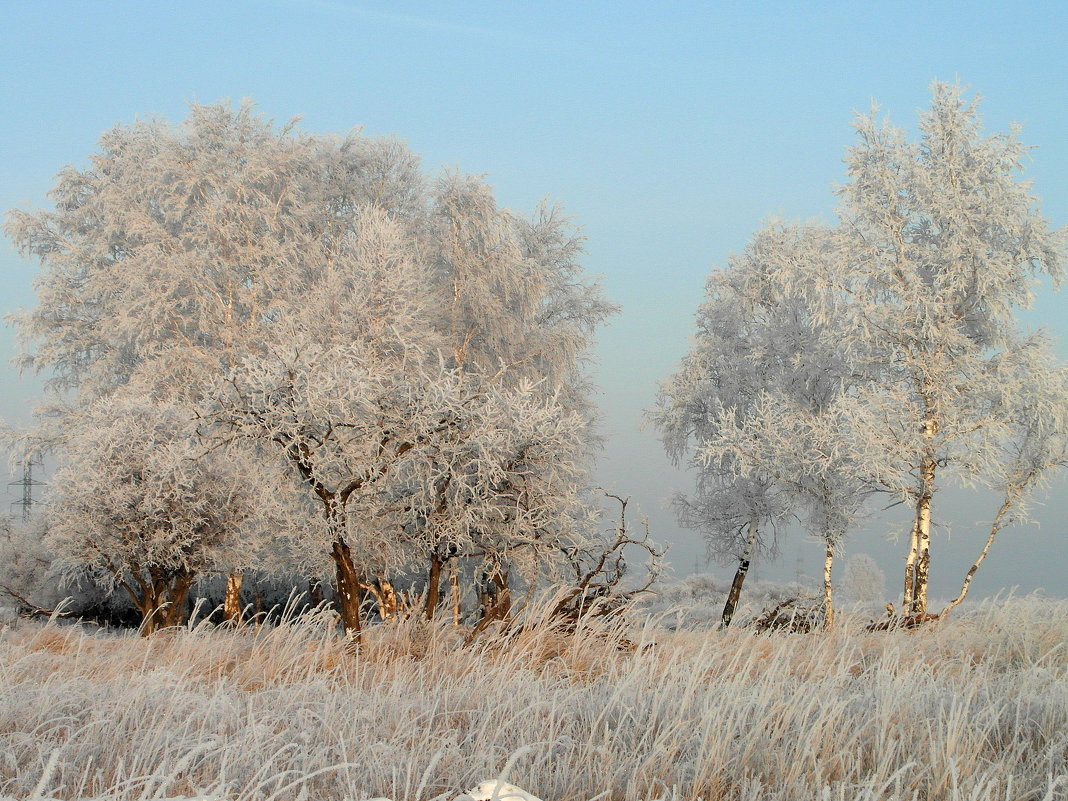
<point x="863" y="581"/>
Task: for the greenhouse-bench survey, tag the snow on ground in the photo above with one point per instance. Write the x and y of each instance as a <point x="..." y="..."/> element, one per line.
<point x="497" y="790"/>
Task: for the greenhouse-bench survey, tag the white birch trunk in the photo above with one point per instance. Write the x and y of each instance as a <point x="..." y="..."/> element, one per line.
<point x="923" y="538"/>
<point x="828" y="587"/>
<point x="995" y="527"/>
<point x="909" y="591"/>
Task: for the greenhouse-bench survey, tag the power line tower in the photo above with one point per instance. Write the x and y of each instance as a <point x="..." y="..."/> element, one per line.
<point x="27" y="482"/>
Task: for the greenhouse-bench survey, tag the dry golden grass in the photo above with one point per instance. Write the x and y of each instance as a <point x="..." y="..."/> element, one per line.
<point x="974" y="708"/>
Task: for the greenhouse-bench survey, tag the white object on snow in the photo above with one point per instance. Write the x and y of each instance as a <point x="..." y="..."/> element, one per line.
<point x="496" y="790"/>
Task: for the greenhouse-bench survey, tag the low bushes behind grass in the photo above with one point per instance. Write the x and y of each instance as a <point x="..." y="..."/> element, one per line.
<point x="974" y="707"/>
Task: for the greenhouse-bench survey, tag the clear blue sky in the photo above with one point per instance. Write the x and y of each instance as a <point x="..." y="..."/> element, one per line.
<point x="667" y="130"/>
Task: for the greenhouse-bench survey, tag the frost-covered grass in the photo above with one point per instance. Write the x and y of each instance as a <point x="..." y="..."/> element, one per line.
<point x="974" y="708"/>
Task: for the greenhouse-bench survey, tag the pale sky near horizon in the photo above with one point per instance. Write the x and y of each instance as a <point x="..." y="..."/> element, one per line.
<point x="667" y="131"/>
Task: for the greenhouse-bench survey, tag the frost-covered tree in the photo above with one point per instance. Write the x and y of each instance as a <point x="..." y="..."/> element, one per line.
<point x="26" y="564"/>
<point x="343" y="388"/>
<point x="760" y="392"/>
<point x="795" y="431"/>
<point x="504" y="482"/>
<point x="138" y="505"/>
<point x="165" y="259"/>
<point x="1020" y="452"/>
<point x="941" y="245"/>
<point x="732" y="506"/>
<point x="864" y="581"/>
<point x="411" y="456"/>
<point x="516" y="317"/>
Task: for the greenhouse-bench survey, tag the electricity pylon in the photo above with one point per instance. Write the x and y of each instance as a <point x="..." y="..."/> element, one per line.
<point x="27" y="482"/>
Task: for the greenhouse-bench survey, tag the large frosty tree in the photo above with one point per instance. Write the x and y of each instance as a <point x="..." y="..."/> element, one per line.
<point x="942" y="244"/>
<point x="164" y="260"/>
<point x="426" y="386"/>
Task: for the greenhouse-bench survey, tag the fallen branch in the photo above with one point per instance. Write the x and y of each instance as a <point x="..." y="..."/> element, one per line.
<point x="893" y="621"/>
<point x="797" y="615"/>
<point x="29" y="609"/>
<point x="595" y="591"/>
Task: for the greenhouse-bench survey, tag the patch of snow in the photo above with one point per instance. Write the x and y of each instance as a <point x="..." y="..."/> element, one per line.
<point x="496" y="790"/>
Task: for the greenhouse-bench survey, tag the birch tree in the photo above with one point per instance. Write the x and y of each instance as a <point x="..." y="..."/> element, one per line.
<point x="1021" y="452"/>
<point x="763" y="333"/>
<point x="734" y="508"/>
<point x="893" y="360"/>
<point x="943" y="244"/>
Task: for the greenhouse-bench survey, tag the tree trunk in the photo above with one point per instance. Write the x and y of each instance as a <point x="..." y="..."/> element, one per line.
<point x="433" y="586"/>
<point x="995" y="527"/>
<point x="348" y="589"/>
<point x="496" y="598"/>
<point x="828" y="587"/>
<point x="176" y="613"/>
<point x="923" y="537"/>
<point x="454" y="591"/>
<point x="154" y="614"/>
<point x="739" y="576"/>
<point x="257" y="606"/>
<point x="385" y="597"/>
<point x="315" y="592"/>
<point x="910" y="568"/>
<point x="143" y="598"/>
<point x="390" y="600"/>
<point x="232" y="598"/>
<point x="150" y="614"/>
<point x="162" y="598"/>
<point x="502" y="600"/>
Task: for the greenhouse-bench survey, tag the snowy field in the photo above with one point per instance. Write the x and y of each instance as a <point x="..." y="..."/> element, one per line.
<point x="973" y="708"/>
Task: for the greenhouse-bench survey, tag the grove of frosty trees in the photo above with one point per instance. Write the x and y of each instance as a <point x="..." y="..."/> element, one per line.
<point x="880" y="356"/>
<point x="275" y="351"/>
<point x="279" y="350"/>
